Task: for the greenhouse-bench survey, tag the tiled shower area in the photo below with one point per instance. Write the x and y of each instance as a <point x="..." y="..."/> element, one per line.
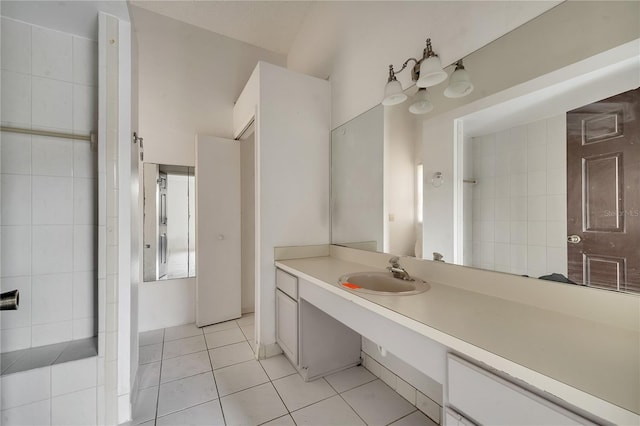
<point x="49" y="232"/>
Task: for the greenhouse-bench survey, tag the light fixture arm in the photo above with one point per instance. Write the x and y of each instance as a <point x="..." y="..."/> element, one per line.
<point x="392" y="72"/>
<point x="415" y="71"/>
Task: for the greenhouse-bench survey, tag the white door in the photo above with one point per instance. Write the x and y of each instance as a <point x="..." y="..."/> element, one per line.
<point x="218" y="280"/>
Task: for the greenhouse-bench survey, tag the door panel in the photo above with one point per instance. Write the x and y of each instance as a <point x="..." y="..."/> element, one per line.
<point x="603" y="193"/>
<point x="218" y="274"/>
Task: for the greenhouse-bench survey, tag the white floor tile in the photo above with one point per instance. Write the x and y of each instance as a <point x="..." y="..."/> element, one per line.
<point x="149" y="375"/>
<point x="253" y="406"/>
<point x="248" y="331"/>
<point x="184" y="366"/>
<point x="332" y="411"/>
<point x="225" y="356"/>
<point x="281" y="421"/>
<point x="296" y="393"/>
<point x="277" y="367"/>
<point x="377" y="403"/>
<point x="181" y="331"/>
<point x="185" y="393"/>
<point x="184" y="346"/>
<point x="239" y="377"/>
<point x="350" y="378"/>
<point x="145" y="407"/>
<point x="227" y="325"/>
<point x="414" y="419"/>
<point x="225" y="337"/>
<point x="205" y="414"/>
<point x="150" y="337"/>
<point x="150" y="353"/>
<point x="246" y="319"/>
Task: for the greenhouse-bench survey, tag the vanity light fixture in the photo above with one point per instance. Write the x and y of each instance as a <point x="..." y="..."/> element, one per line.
<point x="426" y="72"/>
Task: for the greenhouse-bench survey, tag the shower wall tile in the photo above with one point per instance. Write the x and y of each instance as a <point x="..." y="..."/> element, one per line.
<point x="84" y="328"/>
<point x="52" y="298"/>
<point x="85" y="108"/>
<point x="48" y="334"/>
<point x="52" y="104"/>
<point x="21" y="317"/>
<point x="85" y="160"/>
<point x="51" y="54"/>
<point x="85" y="61"/>
<point x="52" y="200"/>
<point x="52" y="156"/>
<point x="84" y="294"/>
<point x="15" y="99"/>
<point x="14" y="339"/>
<point x="16" y="153"/>
<point x="52" y="249"/>
<point x="85" y="201"/>
<point x="16" y="199"/>
<point x="16" y="251"/>
<point x="84" y="247"/>
<point x="16" y="46"/>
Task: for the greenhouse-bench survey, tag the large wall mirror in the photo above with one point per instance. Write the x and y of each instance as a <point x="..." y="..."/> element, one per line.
<point x="514" y="205"/>
<point x="169" y="222"/>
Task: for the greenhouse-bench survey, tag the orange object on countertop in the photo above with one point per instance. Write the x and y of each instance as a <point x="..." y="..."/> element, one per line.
<point x="351" y="286"/>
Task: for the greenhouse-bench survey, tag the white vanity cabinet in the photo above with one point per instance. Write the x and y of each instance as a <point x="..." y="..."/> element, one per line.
<point x="287" y="314"/>
<point x="486" y="398"/>
<point x="316" y="343"/>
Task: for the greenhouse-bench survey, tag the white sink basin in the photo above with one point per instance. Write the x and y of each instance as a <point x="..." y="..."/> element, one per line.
<point x="381" y="283"/>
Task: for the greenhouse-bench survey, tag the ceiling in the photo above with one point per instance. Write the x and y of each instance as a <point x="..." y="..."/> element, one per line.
<point x="271" y="25"/>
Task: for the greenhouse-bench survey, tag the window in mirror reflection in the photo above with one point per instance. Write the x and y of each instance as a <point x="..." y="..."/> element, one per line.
<point x="169" y="222"/>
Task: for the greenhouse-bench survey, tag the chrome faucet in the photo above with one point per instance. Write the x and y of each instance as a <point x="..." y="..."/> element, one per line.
<point x="397" y="270"/>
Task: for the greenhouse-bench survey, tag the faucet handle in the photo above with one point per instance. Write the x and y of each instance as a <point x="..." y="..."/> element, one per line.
<point x="394" y="261"/>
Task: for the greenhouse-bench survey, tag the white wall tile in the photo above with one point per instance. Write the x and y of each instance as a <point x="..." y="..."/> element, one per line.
<point x="518" y="185"/>
<point x="487" y="253"/>
<point x="26" y="387"/>
<point x="48" y="334"/>
<point x="21" y="317"/>
<point x="85" y="61"/>
<point x="518" y="209"/>
<point x="502" y="185"/>
<point x="16" y="251"/>
<point x="502" y="209"/>
<point x="52" y="104"/>
<point x="502" y="254"/>
<point x="557" y="234"/>
<point x="537" y="233"/>
<point x="502" y="232"/>
<point x="52" y="156"/>
<point x="557" y="130"/>
<point x="52" y="298"/>
<point x="502" y="166"/>
<point x="52" y="200"/>
<point x="85" y="201"/>
<point x="536" y="158"/>
<point x="85" y="160"/>
<point x="73" y="376"/>
<point x="16" y="338"/>
<point x="51" y="54"/>
<point x="536" y="261"/>
<point x="84" y="294"/>
<point x="518" y="138"/>
<point x="16" y="153"/>
<point x="518" y="232"/>
<point x="37" y="413"/>
<point x="537" y="183"/>
<point x="503" y="141"/>
<point x="557" y="154"/>
<point x="518" y="258"/>
<point x="16" y="46"/>
<point x="85" y="108"/>
<point x="75" y="409"/>
<point x="537" y="133"/>
<point x="487" y="229"/>
<point x="16" y="199"/>
<point x="84" y="247"/>
<point x="557" y="260"/>
<point x="52" y="249"/>
<point x="84" y="328"/>
<point x="557" y="207"/>
<point x="537" y="208"/>
<point x="556" y="181"/>
<point x="16" y="99"/>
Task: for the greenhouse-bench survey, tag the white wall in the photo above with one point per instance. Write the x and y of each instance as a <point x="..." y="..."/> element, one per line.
<point x="49" y="186"/>
<point x="189" y="79"/>
<point x="248" y="222"/>
<point x="292" y="114"/>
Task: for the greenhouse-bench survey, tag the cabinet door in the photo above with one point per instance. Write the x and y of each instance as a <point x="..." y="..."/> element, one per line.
<point x="287" y="325"/>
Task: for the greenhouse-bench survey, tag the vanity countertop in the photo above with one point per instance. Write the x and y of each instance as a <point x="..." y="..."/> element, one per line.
<point x="560" y="353"/>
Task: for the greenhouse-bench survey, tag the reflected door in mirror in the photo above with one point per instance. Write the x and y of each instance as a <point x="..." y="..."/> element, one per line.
<point x="603" y="197"/>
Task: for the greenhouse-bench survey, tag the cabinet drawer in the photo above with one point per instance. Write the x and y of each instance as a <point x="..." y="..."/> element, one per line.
<point x="490" y="399"/>
<point x="287" y="283"/>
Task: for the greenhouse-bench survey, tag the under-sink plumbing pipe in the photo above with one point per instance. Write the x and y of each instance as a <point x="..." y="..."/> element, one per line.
<point x="10" y="300"/>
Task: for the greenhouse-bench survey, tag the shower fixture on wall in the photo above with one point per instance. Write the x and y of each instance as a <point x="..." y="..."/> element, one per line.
<point x="426" y="72"/>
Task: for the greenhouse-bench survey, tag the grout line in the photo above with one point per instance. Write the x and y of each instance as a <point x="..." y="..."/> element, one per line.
<point x="215" y="382"/>
<point x="155" y="418"/>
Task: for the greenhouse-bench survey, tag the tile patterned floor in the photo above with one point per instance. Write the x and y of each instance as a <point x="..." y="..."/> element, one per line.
<point x="209" y="376"/>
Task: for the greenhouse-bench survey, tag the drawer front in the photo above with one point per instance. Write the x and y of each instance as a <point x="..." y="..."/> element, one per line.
<point x="287" y="283"/>
<point x="490" y="399"/>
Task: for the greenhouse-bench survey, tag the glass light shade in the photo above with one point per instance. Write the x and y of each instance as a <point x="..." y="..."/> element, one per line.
<point x="393" y="94"/>
<point x="431" y="72"/>
<point x="459" y="84"/>
<point x="421" y="103"/>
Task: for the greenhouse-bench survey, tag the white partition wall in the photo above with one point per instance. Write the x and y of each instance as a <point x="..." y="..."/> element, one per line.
<point x="292" y="135"/>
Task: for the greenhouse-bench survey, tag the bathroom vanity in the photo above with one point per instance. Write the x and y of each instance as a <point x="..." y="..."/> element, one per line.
<point x="501" y="346"/>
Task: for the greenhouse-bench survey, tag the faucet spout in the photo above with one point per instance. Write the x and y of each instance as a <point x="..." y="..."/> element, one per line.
<point x="397" y="270"/>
